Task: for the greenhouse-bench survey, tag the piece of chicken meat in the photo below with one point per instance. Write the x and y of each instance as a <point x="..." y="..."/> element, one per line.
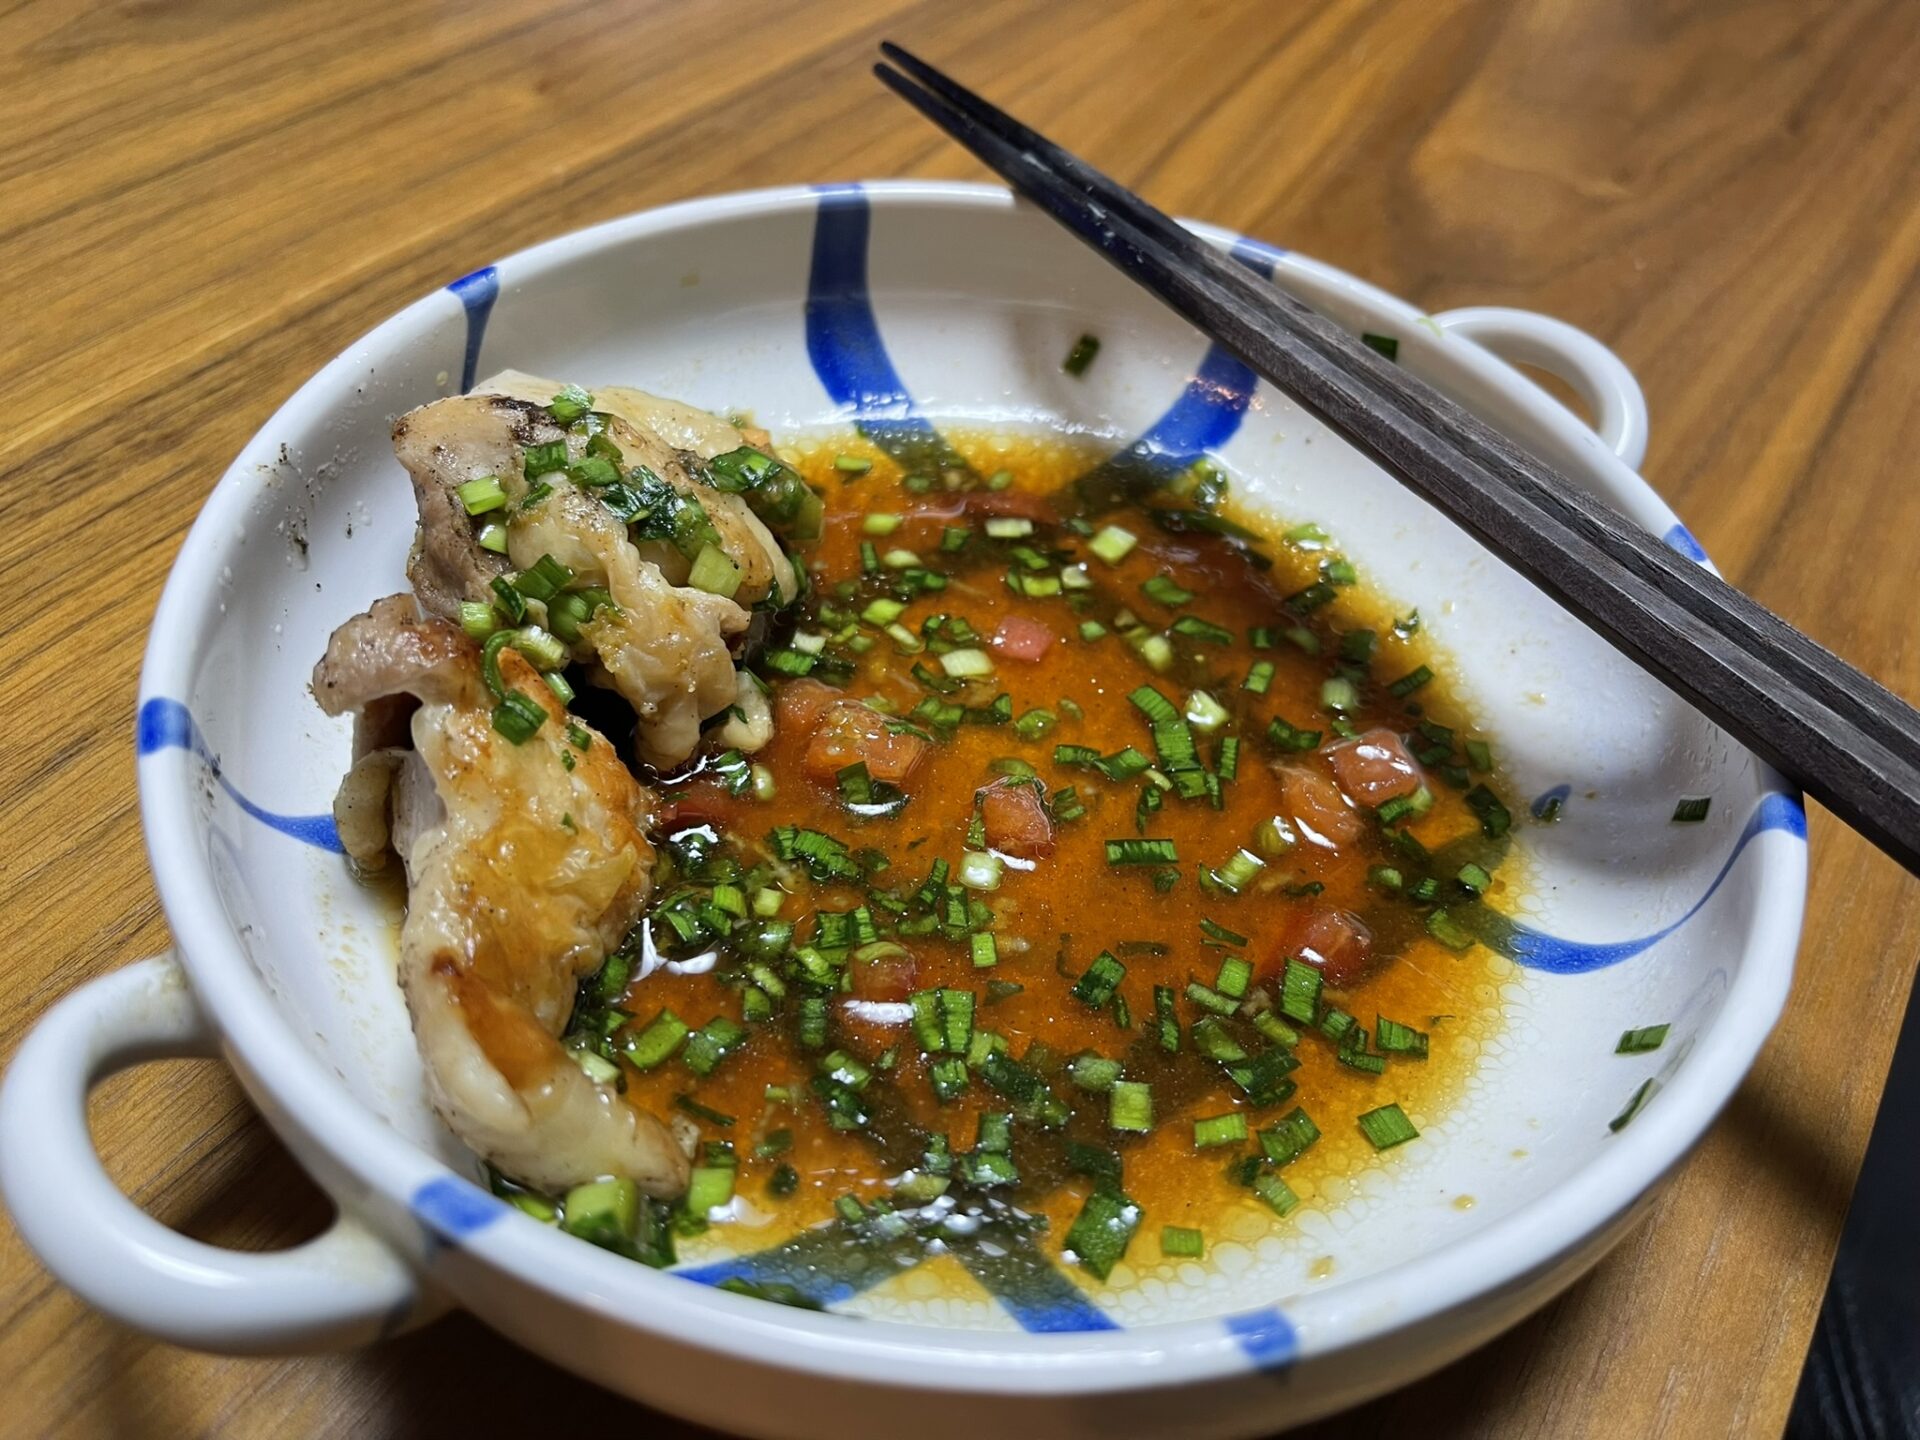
<point x="527" y="864"/>
<point x="665" y="646"/>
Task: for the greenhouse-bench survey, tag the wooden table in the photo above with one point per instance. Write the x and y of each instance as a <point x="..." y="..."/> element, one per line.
<point x="204" y="201"/>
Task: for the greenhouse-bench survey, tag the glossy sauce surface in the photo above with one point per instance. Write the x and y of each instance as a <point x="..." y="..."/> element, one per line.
<point x="1055" y="914"/>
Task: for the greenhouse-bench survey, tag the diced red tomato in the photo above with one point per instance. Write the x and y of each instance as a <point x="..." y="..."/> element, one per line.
<point x="889" y="978"/>
<point x="1021" y="503"/>
<point x="1020" y="638"/>
<point x="1374" y="768"/>
<point x="798" y="703"/>
<point x="848" y="732"/>
<point x="1336" y="942"/>
<point x="1317" y="808"/>
<point x="1015" y="821"/>
<point x="692" y="804"/>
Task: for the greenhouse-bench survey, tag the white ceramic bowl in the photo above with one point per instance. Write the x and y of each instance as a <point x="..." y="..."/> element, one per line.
<point x="908" y="303"/>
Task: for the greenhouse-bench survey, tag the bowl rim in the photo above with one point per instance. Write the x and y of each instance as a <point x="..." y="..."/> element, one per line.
<point x="294" y="1088"/>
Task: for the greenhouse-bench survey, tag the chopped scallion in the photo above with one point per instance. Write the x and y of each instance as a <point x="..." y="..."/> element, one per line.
<point x="1081" y="356"/>
<point x="1162" y="590"/>
<point x="1216" y="1130"/>
<point x="1639" y="1042"/>
<point x="1289" y="1137"/>
<point x="518" y="716"/>
<point x="1635" y="1104"/>
<point x="967" y="664"/>
<point x="1137" y="851"/>
<point x="1411" y="681"/>
<point x="478" y="497"/>
<point x="1180" y="1242"/>
<point x="1095" y="987"/>
<point x="1386" y="1127"/>
<point x="1113" y="543"/>
<point x="1130" y="1106"/>
<point x="1101" y="1232"/>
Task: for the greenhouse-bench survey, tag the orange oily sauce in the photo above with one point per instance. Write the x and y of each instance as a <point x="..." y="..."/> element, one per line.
<point x="1054" y="919"/>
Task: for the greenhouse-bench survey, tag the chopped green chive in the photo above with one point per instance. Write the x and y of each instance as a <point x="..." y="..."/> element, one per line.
<point x="1444" y="928"/>
<point x="1277" y="1195"/>
<point x="1081" y="356"/>
<point x="1339" y="694"/>
<point x="1300" y="987"/>
<point x="1100" y="1234"/>
<point x="714" y="572"/>
<point x="1386" y="1127"/>
<point x="1179" y="1242"/>
<point x="650" y="1046"/>
<point x="1288" y="1138"/>
<point x="967" y="664"/>
<point x="1162" y="590"/>
<point x="1215" y="931"/>
<point x="704" y="1112"/>
<point x="518" y="716"/>
<point x="1495" y="818"/>
<point x="1096" y="986"/>
<point x="1387" y="345"/>
<point x="1390" y="1037"/>
<point x="1215" y="1130"/>
<point x="1194" y="628"/>
<point x="482" y="495"/>
<point x="1284" y="736"/>
<point x="1411" y="681"/>
<point x="1113" y="543"/>
<point x="712" y="1043"/>
<point x="1130" y="1106"/>
<point x="1135" y="851"/>
<point x="1639" y="1042"/>
<point x="1236" y="972"/>
<point x="1034" y="724"/>
<point x="1635" y="1104"/>
<point x="478" y="619"/>
<point x="1691" y="811"/>
<point x="538" y="460"/>
<point x="1094" y="1072"/>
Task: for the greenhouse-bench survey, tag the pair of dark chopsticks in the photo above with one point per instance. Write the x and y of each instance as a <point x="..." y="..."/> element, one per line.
<point x="1847" y="740"/>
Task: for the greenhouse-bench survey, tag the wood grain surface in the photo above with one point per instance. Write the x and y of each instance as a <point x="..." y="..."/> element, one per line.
<point x="203" y="200"/>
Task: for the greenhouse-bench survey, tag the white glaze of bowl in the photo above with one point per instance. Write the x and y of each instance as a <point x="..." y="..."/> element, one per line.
<point x="911" y="303"/>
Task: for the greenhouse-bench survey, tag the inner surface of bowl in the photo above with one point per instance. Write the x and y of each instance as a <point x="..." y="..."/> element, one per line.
<point x="904" y="307"/>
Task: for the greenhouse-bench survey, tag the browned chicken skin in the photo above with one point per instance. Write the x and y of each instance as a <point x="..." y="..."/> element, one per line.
<point x="664" y="645"/>
<point x="525" y="871"/>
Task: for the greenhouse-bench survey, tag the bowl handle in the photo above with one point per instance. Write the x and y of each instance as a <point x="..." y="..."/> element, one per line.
<point x="1598" y="376"/>
<point x="344" y="1287"/>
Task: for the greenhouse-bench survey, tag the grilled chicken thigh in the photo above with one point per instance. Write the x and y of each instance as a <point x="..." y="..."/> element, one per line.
<point x="665" y="645"/>
<point x="527" y="864"/>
